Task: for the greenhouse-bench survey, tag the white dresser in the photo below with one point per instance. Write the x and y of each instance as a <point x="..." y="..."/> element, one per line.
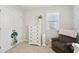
<point x="35" y="32"/>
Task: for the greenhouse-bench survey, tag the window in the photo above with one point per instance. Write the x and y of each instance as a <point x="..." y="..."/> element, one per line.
<point x="53" y="20"/>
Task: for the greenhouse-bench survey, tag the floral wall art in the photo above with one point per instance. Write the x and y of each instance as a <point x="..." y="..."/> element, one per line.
<point x="14" y="37"/>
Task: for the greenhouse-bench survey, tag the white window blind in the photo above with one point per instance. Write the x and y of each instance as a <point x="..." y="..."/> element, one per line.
<point x="53" y="20"/>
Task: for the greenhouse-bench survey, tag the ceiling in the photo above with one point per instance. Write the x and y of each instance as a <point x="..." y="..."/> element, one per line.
<point x="30" y="7"/>
<point x="35" y="6"/>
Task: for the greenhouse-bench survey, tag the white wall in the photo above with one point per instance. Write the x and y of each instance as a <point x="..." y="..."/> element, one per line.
<point x="76" y="17"/>
<point x="65" y="17"/>
<point x="11" y="17"/>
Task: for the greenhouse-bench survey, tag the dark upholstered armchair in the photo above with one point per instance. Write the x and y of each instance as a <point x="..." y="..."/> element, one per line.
<point x="63" y="44"/>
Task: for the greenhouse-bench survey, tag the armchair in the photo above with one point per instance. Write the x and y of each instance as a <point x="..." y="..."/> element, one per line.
<point x="63" y="44"/>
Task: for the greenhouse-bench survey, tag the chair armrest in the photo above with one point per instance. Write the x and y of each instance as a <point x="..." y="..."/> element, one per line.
<point x="68" y="44"/>
<point x="70" y="48"/>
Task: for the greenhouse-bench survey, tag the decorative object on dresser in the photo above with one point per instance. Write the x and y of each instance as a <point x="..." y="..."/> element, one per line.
<point x="63" y="44"/>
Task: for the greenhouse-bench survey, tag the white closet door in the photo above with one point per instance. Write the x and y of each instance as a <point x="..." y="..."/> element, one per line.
<point x="35" y="33"/>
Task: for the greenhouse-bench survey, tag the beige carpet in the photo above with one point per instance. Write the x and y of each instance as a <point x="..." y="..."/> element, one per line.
<point x="26" y="48"/>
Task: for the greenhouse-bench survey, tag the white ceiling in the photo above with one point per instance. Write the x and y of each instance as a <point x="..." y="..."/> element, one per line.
<point x="30" y="7"/>
<point x="35" y="6"/>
